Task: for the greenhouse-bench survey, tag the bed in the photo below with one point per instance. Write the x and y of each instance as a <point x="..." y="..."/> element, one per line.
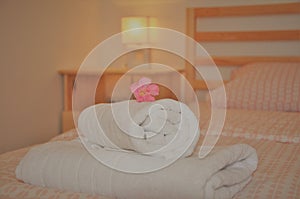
<point x="277" y="175"/>
<point x="272" y="128"/>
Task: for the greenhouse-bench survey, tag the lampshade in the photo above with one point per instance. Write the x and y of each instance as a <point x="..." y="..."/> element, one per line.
<point x="137" y="36"/>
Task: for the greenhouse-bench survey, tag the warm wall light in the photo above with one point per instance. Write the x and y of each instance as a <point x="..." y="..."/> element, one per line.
<point x="137" y="36"/>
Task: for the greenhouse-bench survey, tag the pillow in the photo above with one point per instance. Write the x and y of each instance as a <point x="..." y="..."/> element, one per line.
<point x="264" y="86"/>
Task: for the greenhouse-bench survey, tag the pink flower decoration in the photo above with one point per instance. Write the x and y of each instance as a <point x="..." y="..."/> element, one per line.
<point x="144" y="90"/>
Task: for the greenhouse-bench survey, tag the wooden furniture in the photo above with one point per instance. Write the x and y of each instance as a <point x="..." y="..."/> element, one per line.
<point x="246" y="36"/>
<point x="105" y="87"/>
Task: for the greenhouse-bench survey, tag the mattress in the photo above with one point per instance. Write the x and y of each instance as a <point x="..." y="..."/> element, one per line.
<point x="273" y="134"/>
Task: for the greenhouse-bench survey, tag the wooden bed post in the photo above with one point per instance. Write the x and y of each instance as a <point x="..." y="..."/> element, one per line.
<point x="190" y="31"/>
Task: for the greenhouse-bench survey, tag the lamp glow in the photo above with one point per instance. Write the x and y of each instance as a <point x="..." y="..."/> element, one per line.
<point x="136" y="35"/>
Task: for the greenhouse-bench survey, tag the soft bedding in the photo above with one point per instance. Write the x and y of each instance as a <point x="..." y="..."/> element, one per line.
<point x="164" y="128"/>
<point x="263" y="86"/>
<point x="67" y="165"/>
<point x="255" y="124"/>
<point x="277" y="174"/>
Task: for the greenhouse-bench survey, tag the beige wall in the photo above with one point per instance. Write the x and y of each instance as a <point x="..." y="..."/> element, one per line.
<point x="36" y="39"/>
<point x="39" y="37"/>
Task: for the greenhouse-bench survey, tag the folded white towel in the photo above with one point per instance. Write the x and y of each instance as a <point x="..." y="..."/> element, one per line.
<point x="67" y="165"/>
<point x="165" y="128"/>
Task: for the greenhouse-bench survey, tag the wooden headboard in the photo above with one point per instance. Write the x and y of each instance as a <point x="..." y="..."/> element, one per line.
<point x="193" y="14"/>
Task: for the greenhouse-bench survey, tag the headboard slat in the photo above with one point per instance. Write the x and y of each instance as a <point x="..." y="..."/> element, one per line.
<point x="248" y="35"/>
<point x="286" y="8"/>
<point x="242" y="60"/>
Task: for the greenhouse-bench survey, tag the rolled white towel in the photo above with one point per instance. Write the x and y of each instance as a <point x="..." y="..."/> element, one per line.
<point x="164" y="127"/>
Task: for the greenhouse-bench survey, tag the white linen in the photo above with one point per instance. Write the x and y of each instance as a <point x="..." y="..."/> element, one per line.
<point x="67" y="165"/>
<point x="165" y="128"/>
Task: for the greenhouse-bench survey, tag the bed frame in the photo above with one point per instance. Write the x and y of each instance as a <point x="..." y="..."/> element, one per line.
<point x="246" y="36"/>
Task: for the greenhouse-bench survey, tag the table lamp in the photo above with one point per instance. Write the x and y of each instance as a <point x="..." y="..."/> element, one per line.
<point x="136" y="35"/>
